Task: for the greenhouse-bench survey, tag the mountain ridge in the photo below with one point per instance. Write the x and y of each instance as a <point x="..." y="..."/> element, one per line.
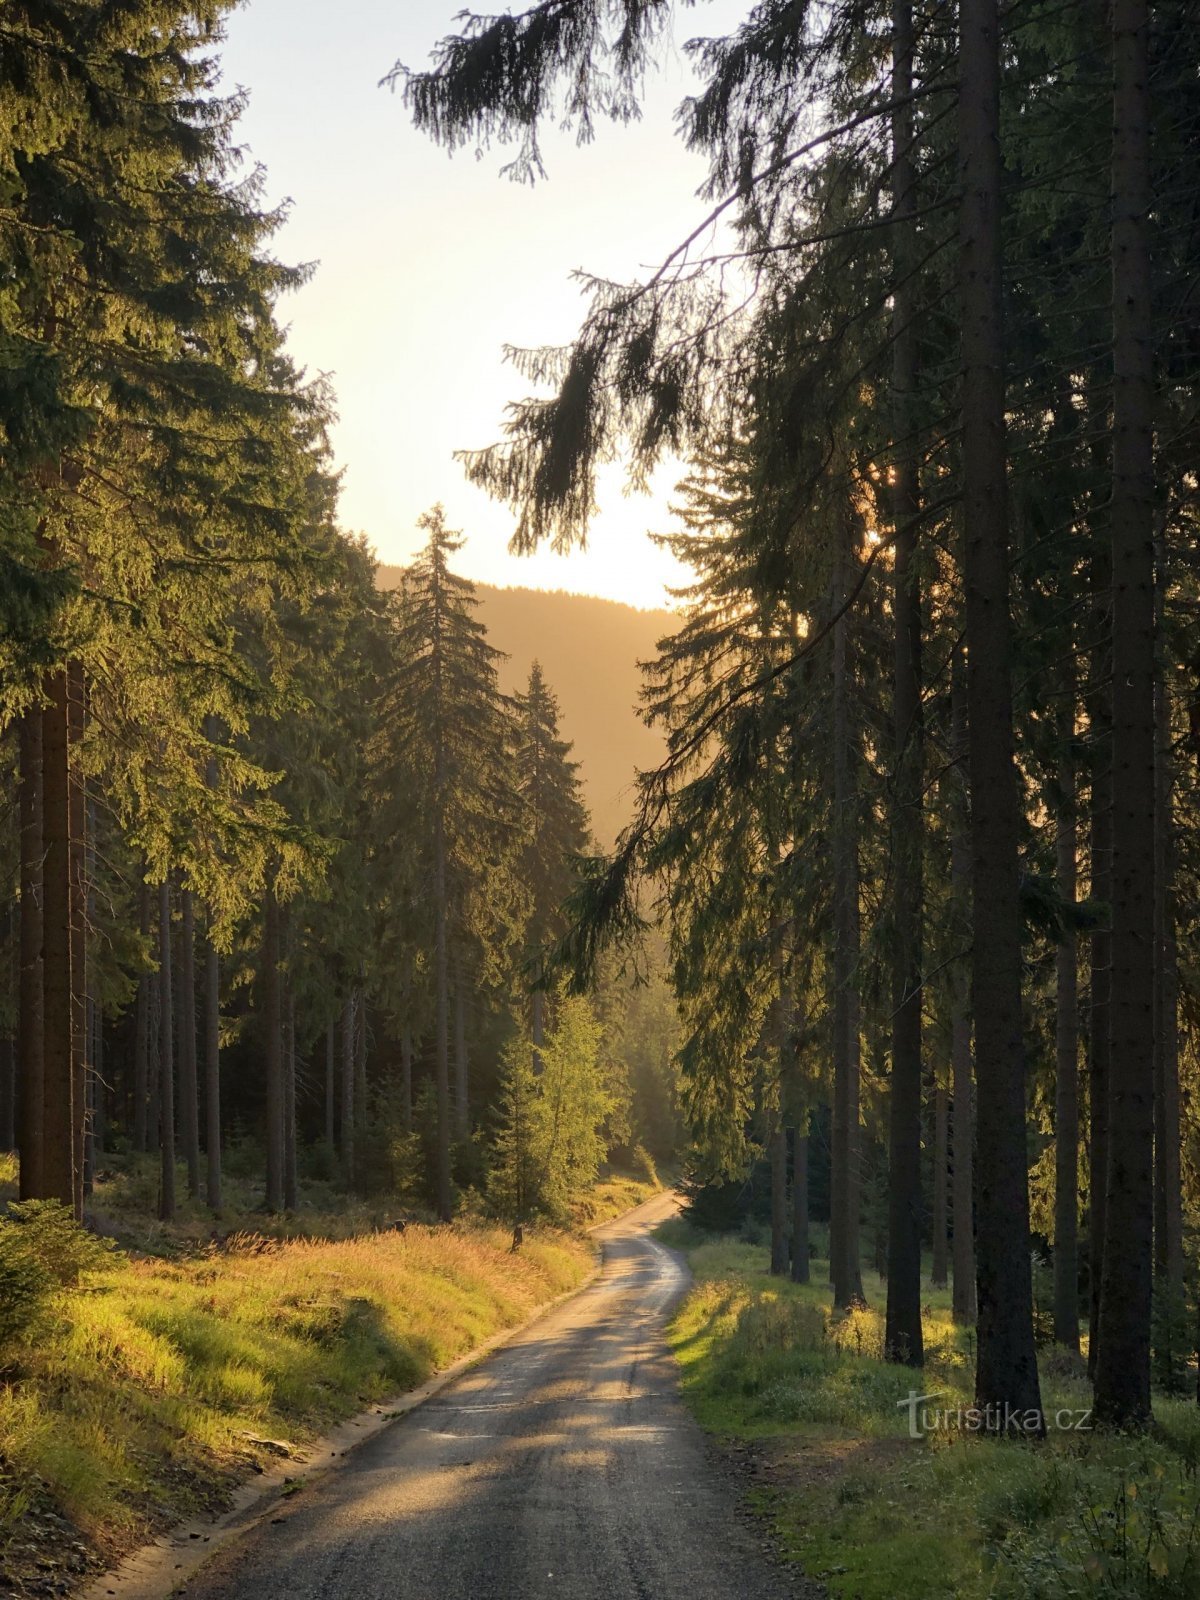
<point x="589" y="648"/>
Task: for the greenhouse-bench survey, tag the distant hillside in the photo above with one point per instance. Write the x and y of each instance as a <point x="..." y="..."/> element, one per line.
<point x="589" y="650"/>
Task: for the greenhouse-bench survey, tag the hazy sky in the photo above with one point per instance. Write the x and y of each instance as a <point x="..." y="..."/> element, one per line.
<point x="429" y="264"/>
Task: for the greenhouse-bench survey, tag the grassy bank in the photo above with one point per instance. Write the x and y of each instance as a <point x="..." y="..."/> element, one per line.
<point x="877" y="1515"/>
<point x="140" y="1397"/>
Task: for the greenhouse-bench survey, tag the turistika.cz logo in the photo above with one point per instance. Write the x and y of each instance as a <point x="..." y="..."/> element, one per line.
<point x="925" y="1418"/>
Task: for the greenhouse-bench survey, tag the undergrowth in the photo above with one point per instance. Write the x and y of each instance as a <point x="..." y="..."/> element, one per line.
<point x="878" y="1515"/>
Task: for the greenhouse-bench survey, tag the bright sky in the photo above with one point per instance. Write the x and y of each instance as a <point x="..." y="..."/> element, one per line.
<point x="429" y="264"/>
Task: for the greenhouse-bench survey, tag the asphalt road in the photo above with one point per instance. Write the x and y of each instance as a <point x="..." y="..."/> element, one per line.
<point x="564" y="1465"/>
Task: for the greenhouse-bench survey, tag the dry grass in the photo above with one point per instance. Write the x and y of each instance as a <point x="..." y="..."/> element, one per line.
<point x="139" y="1408"/>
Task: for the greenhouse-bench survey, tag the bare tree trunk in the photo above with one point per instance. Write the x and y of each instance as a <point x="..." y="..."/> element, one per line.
<point x="189" y="1089"/>
<point x="273" y="1045"/>
<point x="1100" y="889"/>
<point x="330" y="1084"/>
<point x="348" y="1089"/>
<point x="406" y="1083"/>
<point x="961" y="1059"/>
<point x="290" y="1188"/>
<point x="77" y="803"/>
<point x="166" y="1057"/>
<point x="845" y="1271"/>
<point x="902" y="1334"/>
<point x="1066" y="1090"/>
<point x="777" y="1148"/>
<point x="360" y="1066"/>
<point x="31" y="1000"/>
<point x="801" y="1248"/>
<point x="461" y="1062"/>
<point x="1123" y="1361"/>
<point x="212" y="1073"/>
<point x="1006" y="1371"/>
<point x="1168" y="1197"/>
<point x="59" y="1105"/>
<point x="442" y="1007"/>
<point x="941" y="1175"/>
<point x="141" y="1029"/>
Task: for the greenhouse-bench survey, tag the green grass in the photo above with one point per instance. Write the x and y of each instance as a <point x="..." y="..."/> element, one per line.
<point x="144" y="1404"/>
<point x="611" y="1197"/>
<point x="879" y="1516"/>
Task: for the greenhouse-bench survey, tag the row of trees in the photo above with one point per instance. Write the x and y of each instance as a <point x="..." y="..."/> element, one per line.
<point x="281" y="860"/>
<point x="924" y="832"/>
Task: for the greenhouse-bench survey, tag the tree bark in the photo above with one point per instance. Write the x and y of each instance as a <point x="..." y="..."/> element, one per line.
<point x="212" y="1074"/>
<point x="1006" y="1369"/>
<point x="360" y="1066"/>
<point x="801" y="1248"/>
<point x="189" y="1088"/>
<point x="290" y="1186"/>
<point x="1099" y="702"/>
<point x="462" y="1100"/>
<point x="77" y="802"/>
<point x="59" y="1108"/>
<point x="273" y="1048"/>
<point x="330" y="1084"/>
<point x="30" y="998"/>
<point x="845" y="1271"/>
<point x="406" y="1082"/>
<point x="1168" y="1197"/>
<point x="166" y="1057"/>
<point x="941" y="1174"/>
<point x="141" y="1029"/>
<point x="1066" y="1083"/>
<point x="777" y="1149"/>
<point x="902" y="1328"/>
<point x="442" y="1008"/>
<point x="348" y="1089"/>
<point x="1123" y="1360"/>
<point x="961" y="1058"/>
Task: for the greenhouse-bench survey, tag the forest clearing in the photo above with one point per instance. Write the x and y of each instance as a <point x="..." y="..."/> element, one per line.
<point x="760" y="784"/>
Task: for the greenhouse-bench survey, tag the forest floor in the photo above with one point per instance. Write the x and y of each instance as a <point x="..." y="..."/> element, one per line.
<point x="204" y="1352"/>
<point x="819" y="1424"/>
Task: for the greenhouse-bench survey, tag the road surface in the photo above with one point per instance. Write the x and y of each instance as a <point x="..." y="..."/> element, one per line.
<point x="564" y="1465"/>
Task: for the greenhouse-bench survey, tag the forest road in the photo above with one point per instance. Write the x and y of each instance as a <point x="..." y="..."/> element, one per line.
<point x="564" y="1465"/>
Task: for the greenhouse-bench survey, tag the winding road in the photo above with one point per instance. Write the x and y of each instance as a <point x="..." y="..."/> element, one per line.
<point x="564" y="1465"/>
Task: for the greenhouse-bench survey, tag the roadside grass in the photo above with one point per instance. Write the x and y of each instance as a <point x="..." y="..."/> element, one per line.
<point x="146" y="1401"/>
<point x="610" y="1198"/>
<point x="876" y="1515"/>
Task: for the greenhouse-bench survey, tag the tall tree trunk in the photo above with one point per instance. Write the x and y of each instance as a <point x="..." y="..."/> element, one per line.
<point x="59" y="1107"/>
<point x="1123" y="1360"/>
<point x="360" y="1066"/>
<point x="8" y="1093"/>
<point x="189" y="1088"/>
<point x="1006" y="1369"/>
<point x="166" y="1057"/>
<point x="961" y="1057"/>
<point x="31" y="1000"/>
<point x="94" y="1128"/>
<point x="1168" y="1217"/>
<point x="845" y="1271"/>
<point x="290" y="1187"/>
<point x="1099" y="703"/>
<point x="141" y="1028"/>
<point x="462" y="1097"/>
<point x="212" y="1073"/>
<point x="406" y="1082"/>
<point x="941" y="1176"/>
<point x="801" y="1248"/>
<point x="441" y="976"/>
<point x="347" y="1108"/>
<point x="77" y="802"/>
<point x="902" y="1332"/>
<point x="273" y="1048"/>
<point x="1066" y="1083"/>
<point x="777" y="1149"/>
<point x="330" y="1084"/>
